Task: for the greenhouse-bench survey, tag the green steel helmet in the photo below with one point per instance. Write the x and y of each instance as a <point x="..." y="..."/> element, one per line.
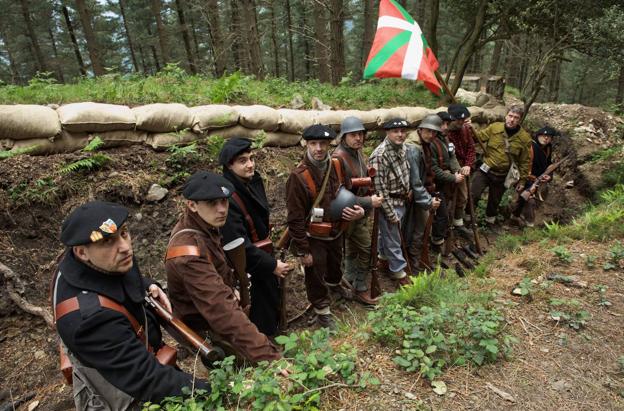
<point x="431" y="122"/>
<point x="350" y="125"/>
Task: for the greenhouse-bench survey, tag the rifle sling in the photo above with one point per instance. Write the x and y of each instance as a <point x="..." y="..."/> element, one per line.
<point x="252" y="227"/>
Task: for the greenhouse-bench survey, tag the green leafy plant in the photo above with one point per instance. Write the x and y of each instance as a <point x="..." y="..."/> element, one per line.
<point x="4" y="154"/>
<point x="620" y="362"/>
<point x="93" y="162"/>
<point x="41" y="191"/>
<point x="564" y="256"/>
<point x="213" y="146"/>
<point x="526" y="287"/>
<point x="616" y="257"/>
<point x="313" y="365"/>
<point x="602" y="293"/>
<point x="567" y="311"/>
<point x="590" y="261"/>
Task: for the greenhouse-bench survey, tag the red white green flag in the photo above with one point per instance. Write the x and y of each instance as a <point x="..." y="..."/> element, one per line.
<point x="400" y="48"/>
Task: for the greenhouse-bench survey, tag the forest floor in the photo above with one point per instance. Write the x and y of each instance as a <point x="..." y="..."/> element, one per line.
<point x="553" y="365"/>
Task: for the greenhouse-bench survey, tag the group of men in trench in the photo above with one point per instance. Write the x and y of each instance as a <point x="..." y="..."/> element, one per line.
<point x="111" y="337"/>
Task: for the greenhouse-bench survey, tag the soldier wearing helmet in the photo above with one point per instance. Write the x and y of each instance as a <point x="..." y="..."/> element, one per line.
<point x="357" y="235"/>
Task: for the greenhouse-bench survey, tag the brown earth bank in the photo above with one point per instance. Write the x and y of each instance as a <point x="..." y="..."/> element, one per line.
<point x="553" y="366"/>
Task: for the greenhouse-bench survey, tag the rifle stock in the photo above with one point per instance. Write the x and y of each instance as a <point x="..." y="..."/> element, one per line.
<point x="473" y="219"/>
<point x="526" y="194"/>
<point x="425" y="260"/>
<point x="374" y="287"/>
<point x="179" y="330"/>
<point x="450" y="240"/>
<point x="235" y="251"/>
<point x="282" y="246"/>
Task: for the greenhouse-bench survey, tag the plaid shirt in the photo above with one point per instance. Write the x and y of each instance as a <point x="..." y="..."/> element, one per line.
<point x="393" y="173"/>
<point x="464" y="142"/>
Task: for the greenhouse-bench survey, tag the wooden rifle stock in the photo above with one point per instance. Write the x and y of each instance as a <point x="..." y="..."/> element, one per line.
<point x="526" y="194"/>
<point x="473" y="219"/>
<point x="425" y="260"/>
<point x="374" y="287"/>
<point x="235" y="250"/>
<point x="449" y="242"/>
<point x="178" y="329"/>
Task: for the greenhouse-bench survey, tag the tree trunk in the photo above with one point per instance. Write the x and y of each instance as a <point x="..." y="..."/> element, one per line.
<point x="72" y="36"/>
<point x="276" y="70"/>
<point x="216" y="38"/>
<point x="619" y="95"/>
<point x="496" y="57"/>
<point x="186" y="38"/>
<point x="153" y="48"/>
<point x="367" y="37"/>
<point x="142" y="55"/>
<point x="92" y="46"/>
<point x="41" y="63"/>
<point x="320" y="48"/>
<point x="156" y="7"/>
<point x="431" y="29"/>
<point x="252" y="40"/>
<point x="421" y="12"/>
<point x="198" y="58"/>
<point x="15" y="76"/>
<point x="336" y="24"/>
<point x="57" y="64"/>
<point x="470" y="47"/>
<point x="122" y="8"/>
<point x="307" y="53"/>
<point x="240" y="56"/>
<point x="291" y="52"/>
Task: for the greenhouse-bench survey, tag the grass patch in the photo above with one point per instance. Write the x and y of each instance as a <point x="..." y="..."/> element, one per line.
<point x="174" y="85"/>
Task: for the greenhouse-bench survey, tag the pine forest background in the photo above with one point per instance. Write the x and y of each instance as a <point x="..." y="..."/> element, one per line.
<point x="548" y="50"/>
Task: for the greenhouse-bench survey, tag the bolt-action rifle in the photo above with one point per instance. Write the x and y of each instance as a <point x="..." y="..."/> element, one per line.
<point x="282" y="247"/>
<point x="425" y="260"/>
<point x="526" y="194"/>
<point x="182" y="333"/>
<point x="235" y="251"/>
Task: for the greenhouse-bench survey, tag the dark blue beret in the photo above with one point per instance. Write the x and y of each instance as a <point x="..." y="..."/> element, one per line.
<point x="444" y="116"/>
<point x="548" y="131"/>
<point x="319" y="132"/>
<point x="232" y="148"/>
<point x="92" y="222"/>
<point x="204" y="186"/>
<point x="458" y="111"/>
<point x="395" y="123"/>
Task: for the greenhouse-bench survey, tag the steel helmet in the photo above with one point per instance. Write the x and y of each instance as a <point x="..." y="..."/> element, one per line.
<point x="431" y="122"/>
<point x="344" y="199"/>
<point x="350" y="125"/>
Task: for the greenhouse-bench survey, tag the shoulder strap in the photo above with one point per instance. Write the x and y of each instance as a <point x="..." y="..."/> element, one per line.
<point x="309" y="182"/>
<point x="252" y="227"/>
<point x="344" y="156"/>
<point x="439" y="149"/>
<point x="338" y="167"/>
<point x="72" y="304"/>
<point x="184" y="250"/>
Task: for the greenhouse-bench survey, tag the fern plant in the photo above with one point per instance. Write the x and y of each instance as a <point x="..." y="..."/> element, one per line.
<point x="93" y="162"/>
<point x="4" y="154"/>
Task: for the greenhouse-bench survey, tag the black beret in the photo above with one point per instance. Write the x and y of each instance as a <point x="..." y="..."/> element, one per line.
<point x="444" y="116"/>
<point x="548" y="131"/>
<point x="319" y="132"/>
<point x="92" y="222"/>
<point x="204" y="186"/>
<point x="458" y="111"/>
<point x="395" y="123"/>
<point x="232" y="148"/>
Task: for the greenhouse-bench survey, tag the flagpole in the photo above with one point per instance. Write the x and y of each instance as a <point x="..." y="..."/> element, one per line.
<point x="445" y="86"/>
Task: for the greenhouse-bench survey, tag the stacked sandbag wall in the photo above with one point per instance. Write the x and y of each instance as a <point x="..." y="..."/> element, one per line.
<point x="51" y="129"/>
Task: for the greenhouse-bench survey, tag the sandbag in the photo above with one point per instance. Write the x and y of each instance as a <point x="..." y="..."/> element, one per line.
<point x="80" y="117"/>
<point x="214" y="116"/>
<point x="122" y="138"/>
<point x="28" y="121"/>
<point x="162" y="141"/>
<point x="163" y="118"/>
<point x="414" y="115"/>
<point x="295" y="121"/>
<point x="236" y="131"/>
<point x="330" y="118"/>
<point x="63" y="143"/>
<point x="368" y="118"/>
<point x="386" y="114"/>
<point x="258" y="117"/>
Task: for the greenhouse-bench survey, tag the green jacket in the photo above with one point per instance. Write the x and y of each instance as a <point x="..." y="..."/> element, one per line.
<point x="493" y="137"/>
<point x="443" y="163"/>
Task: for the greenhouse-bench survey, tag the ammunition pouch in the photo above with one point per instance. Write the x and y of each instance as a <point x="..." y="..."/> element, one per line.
<point x="265" y="245"/>
<point x="323" y="229"/>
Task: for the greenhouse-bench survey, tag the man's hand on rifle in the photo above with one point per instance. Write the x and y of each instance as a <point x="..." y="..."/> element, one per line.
<point x="465" y="170"/>
<point x="157" y="293"/>
<point x="306" y="260"/>
<point x="352" y="213"/>
<point x="376" y="200"/>
<point x="545" y="178"/>
<point x="281" y="269"/>
<point x="459" y="177"/>
<point x="435" y="203"/>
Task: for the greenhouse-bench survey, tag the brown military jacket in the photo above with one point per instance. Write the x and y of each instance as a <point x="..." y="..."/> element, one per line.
<point x="204" y="285"/>
<point x="299" y="201"/>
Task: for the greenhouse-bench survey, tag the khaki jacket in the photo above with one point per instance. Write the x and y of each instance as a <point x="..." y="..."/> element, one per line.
<point x="495" y="155"/>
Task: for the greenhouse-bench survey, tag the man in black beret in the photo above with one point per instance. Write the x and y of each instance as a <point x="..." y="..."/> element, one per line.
<point x="392" y="182"/>
<point x="201" y="283"/>
<point x="446" y="120"/>
<point x="541" y="158"/>
<point x="315" y="237"/>
<point x="107" y="332"/>
<point x="461" y="135"/>
<point x="248" y="217"/>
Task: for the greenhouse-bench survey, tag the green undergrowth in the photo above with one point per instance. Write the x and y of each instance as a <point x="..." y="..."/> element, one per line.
<point x="438" y="322"/>
<point x="174" y="85"/>
<point x="313" y="363"/>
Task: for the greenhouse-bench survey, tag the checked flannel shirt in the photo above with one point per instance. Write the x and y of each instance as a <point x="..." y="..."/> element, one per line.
<point x="393" y="175"/>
